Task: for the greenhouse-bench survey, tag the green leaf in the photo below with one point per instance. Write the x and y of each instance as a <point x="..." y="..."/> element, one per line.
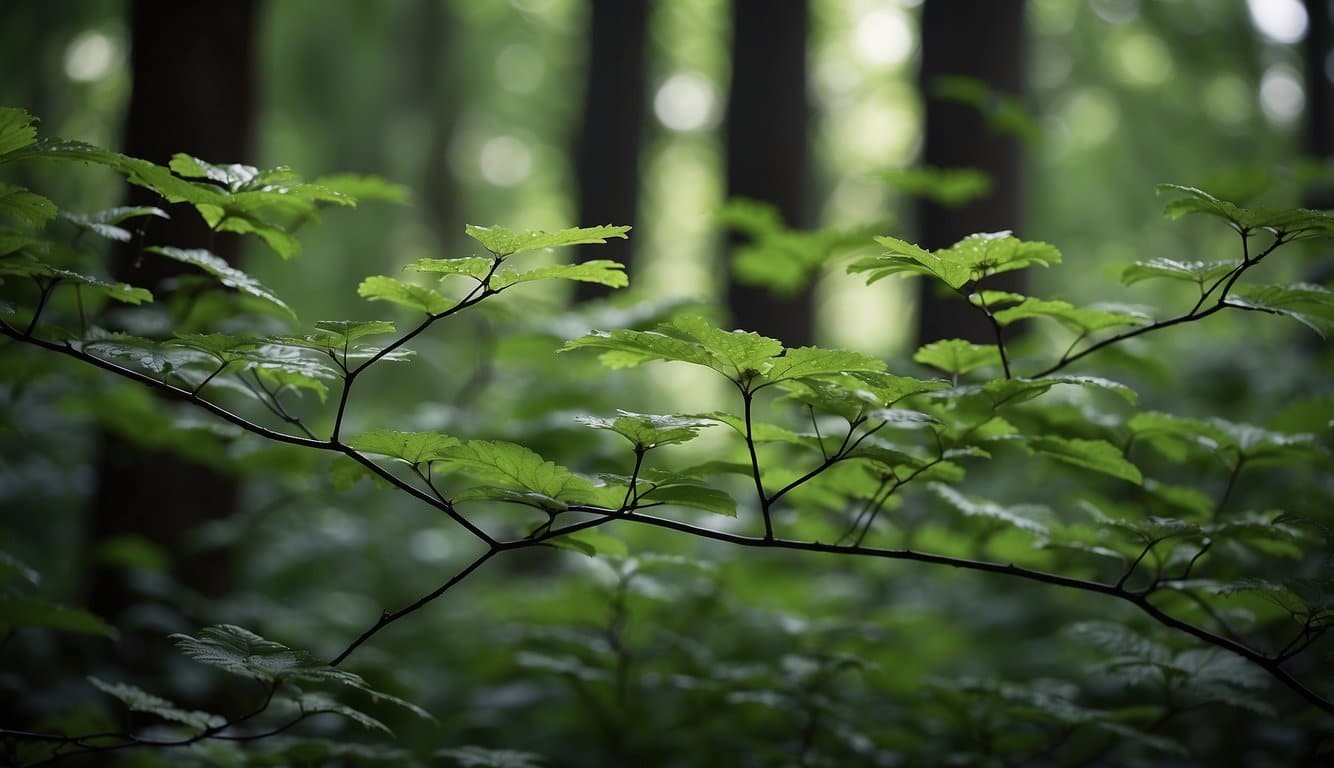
<point x="412" y="447"/>
<point x="647" y="431"/>
<point x="515" y="466"/>
<point x="969" y="260"/>
<point x="421" y="298"/>
<point x="315" y="703"/>
<point x="35" y="613"/>
<point x="122" y="292"/>
<point x="1026" y="517"/>
<point x="600" y="271"/>
<point x="780" y="259"/>
<point x="1198" y="272"/>
<point x="361" y="188"/>
<point x="11" y="241"/>
<point x="956" y="356"/>
<point x="1291" y="223"/>
<point x="693" y="496"/>
<point x="1309" y="304"/>
<point x="814" y="361"/>
<point x="104" y="222"/>
<point x="479" y="757"/>
<point x="18" y="129"/>
<point x="139" y="700"/>
<point x="24" y="206"/>
<point x="1097" y="455"/>
<point x="950" y="187"/>
<point x="503" y="242"/>
<point x="738" y="355"/>
<point x="476" y="267"/>
<point x="592" y="544"/>
<point x="1083" y="319"/>
<point x="225" y="273"/>
<point x="241" y="652"/>
<point x="11" y="569"/>
<point x="762" y="432"/>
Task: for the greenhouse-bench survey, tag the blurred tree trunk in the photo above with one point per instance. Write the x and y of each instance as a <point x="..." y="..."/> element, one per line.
<point x="1319" y="58"/>
<point x="192" y="91"/>
<point x="434" y="91"/>
<point x="768" y="152"/>
<point x="613" y="122"/>
<point x="984" y="41"/>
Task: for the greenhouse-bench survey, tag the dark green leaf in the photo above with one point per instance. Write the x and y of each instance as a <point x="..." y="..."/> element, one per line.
<point x="693" y="496"/>
<point x="1309" y="304"/>
<point x="224" y="272"/>
<point x="479" y="757"/>
<point x="139" y="700"/>
<point x="33" y="612"/>
<point x="1027" y="517"/>
<point x="105" y="222"/>
<point x="25" y="207"/>
<point x="18" y="129"/>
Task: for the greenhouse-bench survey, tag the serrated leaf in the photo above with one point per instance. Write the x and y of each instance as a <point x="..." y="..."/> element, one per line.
<point x="515" y="466"/>
<point x="1120" y="639"/>
<point x="18" y="612"/>
<point x="476" y="267"/>
<point x="1292" y="223"/>
<point x="18" y="129"/>
<point x="761" y="432"/>
<point x="1309" y="304"/>
<point x="121" y="292"/>
<point x="511" y="496"/>
<point x="1083" y="319"/>
<point x="1026" y="517"/>
<point x="814" y="361"/>
<point x="647" y="431"/>
<point x="225" y="273"/>
<point x="405" y="294"/>
<point x="314" y="703"/>
<point x="693" y="496"/>
<point x="1097" y="455"/>
<point x="599" y="271"/>
<point x="1198" y="272"/>
<point x="956" y="356"/>
<point x="971" y="259"/>
<point x="139" y="700"/>
<point x="241" y="652"/>
<point x="412" y="447"/>
<point x="479" y="757"/>
<point x="25" y="206"/>
<point x="739" y="355"/>
<point x="504" y="242"/>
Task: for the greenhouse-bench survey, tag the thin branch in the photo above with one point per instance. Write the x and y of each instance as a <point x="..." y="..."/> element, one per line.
<point x="1138" y="599"/>
<point x="388" y="617"/>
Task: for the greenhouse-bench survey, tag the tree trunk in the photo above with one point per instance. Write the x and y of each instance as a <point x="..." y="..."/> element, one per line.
<point x="768" y="152"/>
<point x="984" y="41"/>
<point x="611" y="136"/>
<point x="1319" y="58"/>
<point x="192" y="91"/>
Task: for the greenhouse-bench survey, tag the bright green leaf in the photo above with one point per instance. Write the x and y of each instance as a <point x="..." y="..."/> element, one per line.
<point x="224" y="272"/>
<point x="412" y="447"/>
<point x="421" y="298"/>
<point x="503" y="242"/>
<point x="139" y="700"/>
<point x="956" y="356"/>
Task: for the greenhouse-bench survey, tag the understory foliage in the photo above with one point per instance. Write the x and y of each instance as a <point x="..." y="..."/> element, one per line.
<point x="1137" y="564"/>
